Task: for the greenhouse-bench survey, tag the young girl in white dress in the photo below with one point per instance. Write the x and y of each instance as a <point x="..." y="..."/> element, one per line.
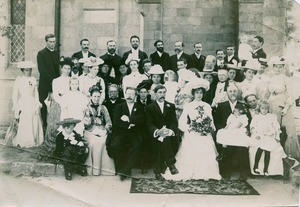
<point x="235" y="132"/>
<point x="71" y="110"/>
<point x="265" y="129"/>
<point x="171" y="85"/>
<point x="26" y="108"/>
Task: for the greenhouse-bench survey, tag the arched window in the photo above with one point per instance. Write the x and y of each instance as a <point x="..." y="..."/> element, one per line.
<point x="17" y="45"/>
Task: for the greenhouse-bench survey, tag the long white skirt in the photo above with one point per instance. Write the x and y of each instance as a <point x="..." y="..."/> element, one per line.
<point x="98" y="161"/>
<point x="196" y="159"/>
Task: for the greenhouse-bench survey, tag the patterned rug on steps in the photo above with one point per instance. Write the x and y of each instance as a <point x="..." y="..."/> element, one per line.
<point x="212" y="187"/>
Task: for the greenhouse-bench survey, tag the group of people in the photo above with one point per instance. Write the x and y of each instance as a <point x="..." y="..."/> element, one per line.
<point x="185" y="116"/>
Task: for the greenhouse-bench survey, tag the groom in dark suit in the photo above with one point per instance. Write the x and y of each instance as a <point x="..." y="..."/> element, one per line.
<point x="223" y="111"/>
<point x="162" y="124"/>
<point x="128" y="122"/>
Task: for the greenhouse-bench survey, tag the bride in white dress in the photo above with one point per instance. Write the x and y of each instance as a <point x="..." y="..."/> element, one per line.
<point x="196" y="158"/>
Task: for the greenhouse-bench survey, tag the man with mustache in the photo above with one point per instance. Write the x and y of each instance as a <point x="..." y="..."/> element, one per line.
<point x="179" y="54"/>
<point x="135" y="53"/>
<point x="162" y="125"/>
<point x="198" y="59"/>
<point x="113" y="60"/>
<point x="128" y="119"/>
<point x="159" y="56"/>
<point x="84" y="53"/>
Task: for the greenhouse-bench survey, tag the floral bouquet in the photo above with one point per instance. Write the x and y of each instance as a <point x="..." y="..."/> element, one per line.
<point x="201" y="123"/>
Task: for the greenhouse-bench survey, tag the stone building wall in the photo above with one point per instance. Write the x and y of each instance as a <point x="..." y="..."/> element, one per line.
<point x="215" y="23"/>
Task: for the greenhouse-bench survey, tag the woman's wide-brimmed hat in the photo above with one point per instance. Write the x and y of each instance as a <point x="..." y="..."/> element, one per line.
<point x="145" y="84"/>
<point x="26" y="64"/>
<point x="198" y="83"/>
<point x="66" y="61"/>
<point x="207" y="71"/>
<point x="235" y="67"/>
<point x="93" y="61"/>
<point x="68" y="121"/>
<point x="188" y="75"/>
<point x="263" y="61"/>
<point x="276" y="60"/>
<point x="156" y="70"/>
<point x="252" y="64"/>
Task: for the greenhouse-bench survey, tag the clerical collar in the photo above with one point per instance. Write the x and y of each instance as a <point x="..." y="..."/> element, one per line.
<point x="52" y="50"/>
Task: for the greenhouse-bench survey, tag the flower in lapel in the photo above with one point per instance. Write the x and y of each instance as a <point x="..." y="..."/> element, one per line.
<point x="134" y="109"/>
<point x="168" y="105"/>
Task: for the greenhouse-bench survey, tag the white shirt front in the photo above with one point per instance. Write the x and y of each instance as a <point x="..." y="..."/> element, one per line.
<point x="179" y="55"/>
<point x="85" y="55"/>
<point x="130" y="107"/>
<point x="161" y="106"/>
<point x="198" y="55"/>
<point x="159" y="53"/>
<point x="135" y="53"/>
<point x="232" y="105"/>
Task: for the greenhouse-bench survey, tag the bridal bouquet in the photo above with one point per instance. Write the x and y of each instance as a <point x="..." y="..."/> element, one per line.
<point x="201" y="123"/>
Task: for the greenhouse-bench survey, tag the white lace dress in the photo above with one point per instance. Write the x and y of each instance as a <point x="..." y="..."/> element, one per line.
<point x="196" y="158"/>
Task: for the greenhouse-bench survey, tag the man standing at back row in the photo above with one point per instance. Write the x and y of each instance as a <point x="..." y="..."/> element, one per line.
<point x="198" y="59"/>
<point x="159" y="56"/>
<point x="48" y="66"/>
<point x="135" y="53"/>
<point x="179" y="54"/>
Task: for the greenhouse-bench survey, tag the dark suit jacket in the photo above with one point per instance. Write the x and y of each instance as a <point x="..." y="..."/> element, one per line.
<point x="142" y="56"/>
<point x="148" y="101"/>
<point x="173" y="61"/>
<point x="62" y="143"/>
<point x="198" y="63"/>
<point x="111" y="106"/>
<point x="231" y="60"/>
<point x="79" y="55"/>
<point x="222" y="113"/>
<point x="136" y="118"/>
<point x="113" y="62"/>
<point x="155" y="119"/>
<point x="259" y="54"/>
<point x="163" y="61"/>
<point x="48" y="66"/>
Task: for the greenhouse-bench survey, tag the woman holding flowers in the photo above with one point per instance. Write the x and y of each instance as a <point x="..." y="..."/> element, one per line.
<point x="196" y="158"/>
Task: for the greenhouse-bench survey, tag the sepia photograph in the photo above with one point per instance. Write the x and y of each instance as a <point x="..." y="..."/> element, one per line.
<point x="159" y="103"/>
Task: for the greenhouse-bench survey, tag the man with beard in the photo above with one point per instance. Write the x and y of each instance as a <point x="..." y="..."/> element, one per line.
<point x="128" y="124"/>
<point x="198" y="60"/>
<point x="160" y="57"/>
<point x="162" y="124"/>
<point x="135" y="53"/>
<point x="113" y="99"/>
<point x="179" y="54"/>
<point x="113" y="60"/>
